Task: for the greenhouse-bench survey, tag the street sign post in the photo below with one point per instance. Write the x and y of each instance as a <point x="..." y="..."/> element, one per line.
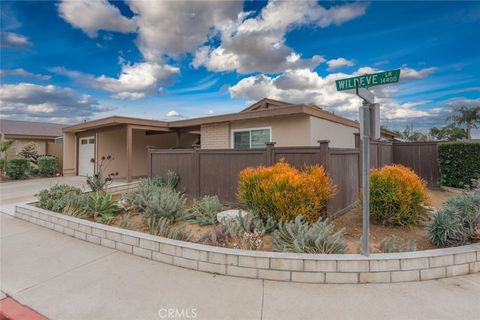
<point x="369" y="129"/>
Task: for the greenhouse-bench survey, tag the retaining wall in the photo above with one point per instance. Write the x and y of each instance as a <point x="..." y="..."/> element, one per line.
<point x="310" y="268"/>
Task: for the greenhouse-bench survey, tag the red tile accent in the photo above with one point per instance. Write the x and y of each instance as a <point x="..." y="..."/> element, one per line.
<point x="12" y="310"/>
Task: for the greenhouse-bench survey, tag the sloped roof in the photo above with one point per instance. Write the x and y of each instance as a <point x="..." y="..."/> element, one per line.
<point x="27" y="128"/>
<point x="266" y="103"/>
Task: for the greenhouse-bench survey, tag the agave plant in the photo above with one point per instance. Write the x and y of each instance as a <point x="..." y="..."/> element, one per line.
<point x="102" y="207"/>
<point x="299" y="236"/>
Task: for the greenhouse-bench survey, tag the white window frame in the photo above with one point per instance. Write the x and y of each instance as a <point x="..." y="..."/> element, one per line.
<point x="232" y="135"/>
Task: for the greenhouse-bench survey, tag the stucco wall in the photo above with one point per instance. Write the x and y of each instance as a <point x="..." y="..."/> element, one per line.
<point x="69" y="154"/>
<point x="113" y="142"/>
<point x="287" y="131"/>
<point x="340" y="136"/>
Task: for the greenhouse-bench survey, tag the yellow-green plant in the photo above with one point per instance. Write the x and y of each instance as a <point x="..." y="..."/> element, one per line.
<point x="397" y="195"/>
<point x="282" y="192"/>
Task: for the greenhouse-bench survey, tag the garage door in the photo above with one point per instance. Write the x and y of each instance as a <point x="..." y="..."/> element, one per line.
<point x="86" y="152"/>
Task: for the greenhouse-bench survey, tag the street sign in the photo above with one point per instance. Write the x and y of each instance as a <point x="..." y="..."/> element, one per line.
<point x="370" y="121"/>
<point x="368" y="80"/>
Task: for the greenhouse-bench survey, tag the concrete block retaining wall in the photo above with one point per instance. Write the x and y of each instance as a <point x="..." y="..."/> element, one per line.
<point x="309" y="268"/>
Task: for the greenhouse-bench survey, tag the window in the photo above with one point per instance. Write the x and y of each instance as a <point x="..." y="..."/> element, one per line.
<point x="251" y="138"/>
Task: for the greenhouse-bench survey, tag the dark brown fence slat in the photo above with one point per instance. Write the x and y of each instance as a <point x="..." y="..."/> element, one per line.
<point x="422" y="157"/>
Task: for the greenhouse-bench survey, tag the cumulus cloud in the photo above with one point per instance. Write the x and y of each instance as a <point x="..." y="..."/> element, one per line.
<point x="176" y="27"/>
<point x="135" y="81"/>
<point x="93" y="15"/>
<point x="258" y="44"/>
<point x="338" y="63"/>
<point x="409" y="73"/>
<point x="172" y="113"/>
<point x="306" y="86"/>
<point x="32" y="102"/>
<point x="23" y="73"/>
<point x="11" y="39"/>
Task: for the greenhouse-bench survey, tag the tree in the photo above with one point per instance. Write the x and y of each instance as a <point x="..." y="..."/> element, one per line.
<point x="470" y="116"/>
<point x="4" y="146"/>
<point x="450" y="133"/>
<point x="414" y="136"/>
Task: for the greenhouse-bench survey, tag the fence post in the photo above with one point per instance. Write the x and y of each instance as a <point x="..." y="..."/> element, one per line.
<point x="324" y="153"/>
<point x="196" y="170"/>
<point x="270" y="156"/>
<point x="149" y="162"/>
<point x="357" y="139"/>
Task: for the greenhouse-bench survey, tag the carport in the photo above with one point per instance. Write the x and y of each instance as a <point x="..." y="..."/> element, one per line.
<point x="125" y="139"/>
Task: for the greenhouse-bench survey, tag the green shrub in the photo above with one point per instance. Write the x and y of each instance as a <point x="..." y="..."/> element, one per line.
<point x="397" y="195"/>
<point x="459" y="163"/>
<point x="17" y="168"/>
<point x="204" y="211"/>
<point x="102" y="207"/>
<point x="299" y="236"/>
<point x="457" y="222"/>
<point x="47" y="165"/>
<point x="164" y="202"/>
<point x="57" y="197"/>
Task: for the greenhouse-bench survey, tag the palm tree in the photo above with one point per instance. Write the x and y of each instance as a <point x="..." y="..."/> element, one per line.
<point x="470" y="116"/>
<point x="4" y="146"/>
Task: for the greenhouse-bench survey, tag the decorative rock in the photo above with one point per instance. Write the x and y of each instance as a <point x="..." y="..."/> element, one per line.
<point x="231" y="214"/>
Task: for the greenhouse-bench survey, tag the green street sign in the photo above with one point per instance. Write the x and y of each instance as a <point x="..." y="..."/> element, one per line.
<point x="368" y="80"/>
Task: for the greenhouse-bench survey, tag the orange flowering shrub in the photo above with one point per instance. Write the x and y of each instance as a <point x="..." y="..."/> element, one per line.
<point x="396" y="195"/>
<point x="283" y="192"/>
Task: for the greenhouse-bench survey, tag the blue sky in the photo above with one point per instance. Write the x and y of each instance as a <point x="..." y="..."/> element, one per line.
<point x="74" y="60"/>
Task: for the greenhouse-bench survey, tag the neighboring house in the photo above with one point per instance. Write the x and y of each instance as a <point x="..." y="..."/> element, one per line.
<point x="126" y="139"/>
<point x="47" y="137"/>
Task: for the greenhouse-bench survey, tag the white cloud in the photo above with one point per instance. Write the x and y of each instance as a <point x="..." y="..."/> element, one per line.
<point x="11" y="39"/>
<point x="338" y="63"/>
<point x="306" y="86"/>
<point x="172" y="113"/>
<point x="33" y="102"/>
<point x="176" y="27"/>
<point x="409" y="73"/>
<point x="134" y="82"/>
<point x="93" y="15"/>
<point x="258" y="44"/>
<point x="23" y="73"/>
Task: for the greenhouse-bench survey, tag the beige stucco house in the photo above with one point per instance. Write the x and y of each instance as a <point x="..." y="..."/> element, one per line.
<point x="126" y="139"/>
<point x="47" y="137"/>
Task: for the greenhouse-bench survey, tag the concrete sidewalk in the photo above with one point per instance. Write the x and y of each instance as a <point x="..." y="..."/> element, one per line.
<point x="65" y="278"/>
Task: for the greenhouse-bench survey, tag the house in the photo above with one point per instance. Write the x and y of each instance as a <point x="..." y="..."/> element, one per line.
<point x="47" y="137"/>
<point x="126" y="139"/>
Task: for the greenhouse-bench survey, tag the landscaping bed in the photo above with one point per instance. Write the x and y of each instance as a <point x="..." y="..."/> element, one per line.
<point x="279" y="198"/>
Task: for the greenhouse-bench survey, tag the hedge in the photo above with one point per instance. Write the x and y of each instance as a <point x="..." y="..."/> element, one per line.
<point x="459" y="163"/>
<point x="17" y="168"/>
<point x="47" y="165"/>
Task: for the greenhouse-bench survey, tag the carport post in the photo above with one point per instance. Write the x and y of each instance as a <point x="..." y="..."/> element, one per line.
<point x="129" y="153"/>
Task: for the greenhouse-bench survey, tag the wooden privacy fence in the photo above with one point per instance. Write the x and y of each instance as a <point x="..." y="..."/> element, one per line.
<point x="215" y="171"/>
<point x="422" y="157"/>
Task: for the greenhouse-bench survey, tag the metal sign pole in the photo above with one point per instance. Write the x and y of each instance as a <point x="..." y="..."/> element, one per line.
<point x="365" y="119"/>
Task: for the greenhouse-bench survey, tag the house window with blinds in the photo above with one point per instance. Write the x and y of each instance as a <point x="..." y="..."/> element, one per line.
<point x="251" y="138"/>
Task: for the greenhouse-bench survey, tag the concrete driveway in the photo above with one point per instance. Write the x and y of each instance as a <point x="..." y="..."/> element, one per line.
<point x="24" y="190"/>
<point x="66" y="278"/>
